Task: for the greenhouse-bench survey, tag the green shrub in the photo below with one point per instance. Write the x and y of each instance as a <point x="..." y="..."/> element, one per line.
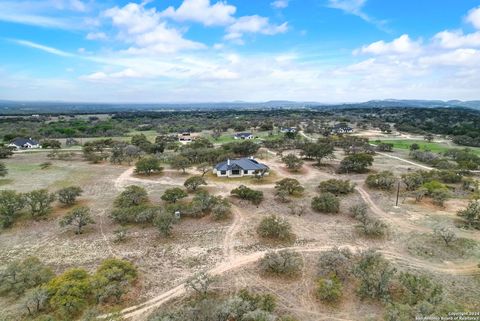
<point x="111" y="280"/>
<point x="329" y="289"/>
<point x="336" y="186"/>
<point x="148" y="165"/>
<point x="373" y="227"/>
<point x="11" y="204"/>
<point x="292" y="162"/>
<point x="289" y="186"/>
<point x="375" y="274"/>
<point x="414" y="180"/>
<point x="172" y="195"/>
<point x="68" y="195"/>
<point x="440" y="196"/>
<point x="384" y="180"/>
<point x="284" y="262"/>
<point x="471" y="214"/>
<point x="39" y="202"/>
<point x="356" y="163"/>
<point x="164" y="222"/>
<point x="336" y="262"/>
<point x="418" y="288"/>
<point x="134" y="214"/>
<point x="248" y="194"/>
<point x="326" y="203"/>
<point x="194" y="182"/>
<point x="275" y="227"/>
<point x="449" y="177"/>
<point x="359" y="212"/>
<point x="20" y="276"/>
<point x="78" y="217"/>
<point x="221" y="209"/>
<point x="132" y="196"/>
<point x="70" y="292"/>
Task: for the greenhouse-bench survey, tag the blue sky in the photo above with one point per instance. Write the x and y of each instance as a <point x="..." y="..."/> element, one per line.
<point x="208" y="50"/>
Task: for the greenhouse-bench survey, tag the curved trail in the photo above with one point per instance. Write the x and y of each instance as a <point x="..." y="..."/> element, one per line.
<point x="228" y="242"/>
<point x="105" y="238"/>
<point x="392" y="219"/>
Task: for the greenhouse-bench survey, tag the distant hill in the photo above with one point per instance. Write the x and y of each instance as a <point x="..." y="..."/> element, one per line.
<point x="55" y="107"/>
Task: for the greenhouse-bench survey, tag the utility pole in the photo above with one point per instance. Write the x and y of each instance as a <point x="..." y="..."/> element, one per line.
<point x="398" y="194"/>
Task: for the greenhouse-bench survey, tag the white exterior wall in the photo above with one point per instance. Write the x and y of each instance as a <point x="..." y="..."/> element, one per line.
<point x="229" y="173"/>
<point x="27" y="146"/>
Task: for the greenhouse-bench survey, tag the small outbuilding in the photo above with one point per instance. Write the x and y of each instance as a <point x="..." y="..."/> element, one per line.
<point x="240" y="168"/>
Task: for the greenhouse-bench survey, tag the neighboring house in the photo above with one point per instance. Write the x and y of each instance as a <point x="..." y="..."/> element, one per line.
<point x="341" y="129"/>
<point x="292" y="130"/>
<point x="186" y="137"/>
<point x="240" y="167"/>
<point x="243" y="136"/>
<point x="24" y="143"/>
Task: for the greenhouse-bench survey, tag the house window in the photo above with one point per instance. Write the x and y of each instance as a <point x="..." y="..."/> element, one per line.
<point x="245" y="172"/>
<point x="223" y="172"/>
<point x="235" y="172"/>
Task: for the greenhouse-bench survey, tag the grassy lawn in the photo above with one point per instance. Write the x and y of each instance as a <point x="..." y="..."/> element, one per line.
<point x="150" y="134"/>
<point x="434" y="147"/>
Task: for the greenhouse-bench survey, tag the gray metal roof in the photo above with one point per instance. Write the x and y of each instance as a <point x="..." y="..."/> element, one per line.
<point x="242" y="164"/>
<point x="23" y="141"/>
<point x="243" y="134"/>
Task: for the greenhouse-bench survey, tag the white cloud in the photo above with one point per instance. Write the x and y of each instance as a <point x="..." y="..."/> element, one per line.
<point x="71" y="5"/>
<point x="51" y="50"/>
<point x="119" y="75"/>
<point x="473" y="17"/>
<point x="219" y="74"/>
<point x="401" y="45"/>
<point x="457" y="58"/>
<point x="145" y="29"/>
<point x="349" y="6"/>
<point x="34" y="20"/>
<point x="355" y="7"/>
<point x="279" y="4"/>
<point x="218" y="14"/>
<point x="44" y="13"/>
<point x="457" y="39"/>
<point x="96" y="36"/>
<point x="254" y="24"/>
<point x="78" y="5"/>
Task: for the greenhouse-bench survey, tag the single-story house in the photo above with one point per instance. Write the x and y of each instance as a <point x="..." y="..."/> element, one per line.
<point x="24" y="143"/>
<point x="186" y="137"/>
<point x="243" y="136"/>
<point x="240" y="168"/>
<point x="342" y="130"/>
<point x="292" y="130"/>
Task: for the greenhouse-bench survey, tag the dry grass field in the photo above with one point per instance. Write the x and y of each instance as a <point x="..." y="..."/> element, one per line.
<point x="231" y="248"/>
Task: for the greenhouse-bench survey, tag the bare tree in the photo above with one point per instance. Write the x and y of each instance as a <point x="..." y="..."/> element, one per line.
<point x="446" y="234"/>
<point x="200" y="283"/>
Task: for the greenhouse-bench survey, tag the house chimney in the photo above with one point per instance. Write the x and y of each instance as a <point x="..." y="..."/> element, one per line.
<point x="228" y="162"/>
<point x="251" y="157"/>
